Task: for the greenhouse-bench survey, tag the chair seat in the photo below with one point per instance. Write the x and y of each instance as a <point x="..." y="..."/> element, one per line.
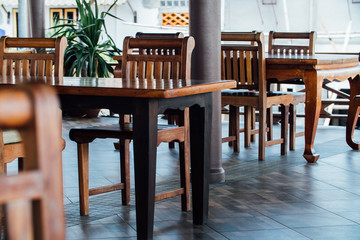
<point x="11" y="136"/>
<point x="298" y="97"/>
<point x="89" y="134"/>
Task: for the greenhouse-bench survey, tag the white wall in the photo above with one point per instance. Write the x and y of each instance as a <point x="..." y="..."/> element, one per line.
<point x="329" y="18"/>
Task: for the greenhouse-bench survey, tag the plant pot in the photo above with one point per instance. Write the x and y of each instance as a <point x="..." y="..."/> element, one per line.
<point x="85" y="113"/>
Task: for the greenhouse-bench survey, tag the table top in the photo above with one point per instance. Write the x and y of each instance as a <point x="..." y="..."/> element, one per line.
<point x="126" y="88"/>
<point x="330" y="59"/>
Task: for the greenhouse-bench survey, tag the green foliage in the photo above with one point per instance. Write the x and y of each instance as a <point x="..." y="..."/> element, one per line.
<point x="85" y="53"/>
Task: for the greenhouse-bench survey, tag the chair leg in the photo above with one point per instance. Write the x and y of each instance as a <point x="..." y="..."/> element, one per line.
<point x="234" y="126"/>
<point x="125" y="170"/>
<point x="253" y="122"/>
<point x="270" y="123"/>
<point x="231" y="129"/>
<point x="83" y="168"/>
<point x="284" y="128"/>
<point x="248" y="127"/>
<point x="262" y="132"/>
<point x="185" y="162"/>
<point x="292" y="125"/>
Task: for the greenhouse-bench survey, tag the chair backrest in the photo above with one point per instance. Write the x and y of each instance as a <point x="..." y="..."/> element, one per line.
<point x="34" y="197"/>
<point x="159" y="35"/>
<point x="157" y="58"/>
<point x="45" y="59"/>
<point x="289" y="43"/>
<point x="244" y="60"/>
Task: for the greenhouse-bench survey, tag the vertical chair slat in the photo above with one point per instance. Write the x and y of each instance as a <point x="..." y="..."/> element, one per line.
<point x="235" y="66"/>
<point x="255" y="67"/>
<point x="249" y="79"/>
<point x="175" y="71"/>
<point x="9" y="68"/>
<point x="25" y="67"/>
<point x="158" y="70"/>
<point x="41" y="68"/>
<point x="17" y="69"/>
<point x="48" y="68"/>
<point x="33" y="65"/>
<point x="242" y="68"/>
<point x="228" y="64"/>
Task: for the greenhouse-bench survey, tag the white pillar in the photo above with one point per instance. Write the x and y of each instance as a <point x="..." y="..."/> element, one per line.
<point x="23" y="18"/>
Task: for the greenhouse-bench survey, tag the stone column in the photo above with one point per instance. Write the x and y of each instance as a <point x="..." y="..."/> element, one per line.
<point x="205" y="27"/>
<point x="37" y="18"/>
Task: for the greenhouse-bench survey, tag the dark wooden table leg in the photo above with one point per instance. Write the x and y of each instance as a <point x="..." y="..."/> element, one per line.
<point x="313" y="86"/>
<point x="200" y="124"/>
<point x="145" y="145"/>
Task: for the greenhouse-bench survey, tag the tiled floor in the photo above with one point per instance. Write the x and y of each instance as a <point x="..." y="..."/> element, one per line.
<point x="282" y="197"/>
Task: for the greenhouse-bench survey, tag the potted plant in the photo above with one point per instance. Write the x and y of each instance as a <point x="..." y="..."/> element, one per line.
<point x="86" y="54"/>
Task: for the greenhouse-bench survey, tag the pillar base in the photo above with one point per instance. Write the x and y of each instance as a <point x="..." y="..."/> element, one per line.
<point x="217" y="175"/>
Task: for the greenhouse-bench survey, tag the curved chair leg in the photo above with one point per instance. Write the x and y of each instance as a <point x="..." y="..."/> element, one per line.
<point x="353" y="115"/>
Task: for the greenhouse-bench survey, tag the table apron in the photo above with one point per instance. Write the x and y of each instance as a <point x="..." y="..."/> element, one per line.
<point x="126" y="105"/>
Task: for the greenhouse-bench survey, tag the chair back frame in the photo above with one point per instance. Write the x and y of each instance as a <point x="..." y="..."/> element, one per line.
<point x="244" y="63"/>
<point x="292" y="49"/>
<point x="29" y="63"/>
<point x="157" y="58"/>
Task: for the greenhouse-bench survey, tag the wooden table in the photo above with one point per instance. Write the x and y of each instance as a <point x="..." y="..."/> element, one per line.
<point x="312" y="69"/>
<point x="145" y="100"/>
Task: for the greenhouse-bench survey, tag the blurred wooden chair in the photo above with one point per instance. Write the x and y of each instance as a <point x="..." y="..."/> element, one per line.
<point x="36" y="57"/>
<point x="287" y="44"/>
<point x="156" y="59"/>
<point x="246" y="64"/>
<point x="33" y="197"/>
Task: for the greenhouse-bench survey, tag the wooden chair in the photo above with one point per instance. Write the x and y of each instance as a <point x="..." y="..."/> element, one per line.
<point x="161" y="59"/>
<point x="27" y="63"/>
<point x="34" y="197"/>
<point x="246" y="64"/>
<point x="171" y="115"/>
<point x="308" y="40"/>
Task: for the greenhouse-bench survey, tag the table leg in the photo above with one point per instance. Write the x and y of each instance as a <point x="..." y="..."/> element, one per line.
<point x="145" y="145"/>
<point x="200" y="129"/>
<point x="313" y="86"/>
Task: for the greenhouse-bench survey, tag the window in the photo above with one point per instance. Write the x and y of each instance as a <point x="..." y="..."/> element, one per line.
<point x="15" y="14"/>
<point x="61" y="13"/>
<point x="174" y="3"/>
<point x="174" y="12"/>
